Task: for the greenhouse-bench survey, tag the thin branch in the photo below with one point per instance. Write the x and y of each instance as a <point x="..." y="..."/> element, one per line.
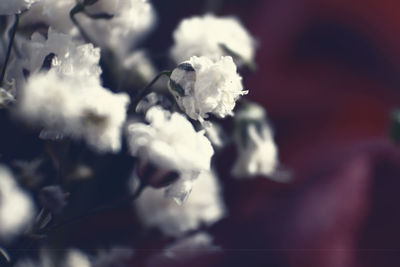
<point x="147" y="89"/>
<point x="13" y="31"/>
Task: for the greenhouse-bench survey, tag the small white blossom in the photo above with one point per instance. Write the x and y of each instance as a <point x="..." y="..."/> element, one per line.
<point x="131" y="20"/>
<point x="212" y="37"/>
<point x="203" y="206"/>
<point x="75" y="107"/>
<point x="170" y="142"/>
<point x="16" y="207"/>
<point x="63" y="92"/>
<point x="10" y="7"/>
<point x="258" y="154"/>
<point x="201" y="86"/>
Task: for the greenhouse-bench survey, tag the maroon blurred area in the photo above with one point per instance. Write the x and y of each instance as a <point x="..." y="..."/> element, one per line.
<point x="328" y="75"/>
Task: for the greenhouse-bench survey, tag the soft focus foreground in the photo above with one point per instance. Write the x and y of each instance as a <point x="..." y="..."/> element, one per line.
<point x="103" y="166"/>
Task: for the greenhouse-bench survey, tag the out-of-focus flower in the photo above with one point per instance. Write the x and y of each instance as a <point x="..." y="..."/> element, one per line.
<point x="72" y="258"/>
<point x="185" y="249"/>
<point x="139" y="63"/>
<point x="63" y="92"/>
<point x="258" y="154"/>
<point x="5" y="98"/>
<point x="212" y="37"/>
<point x="214" y="133"/>
<point x="59" y="53"/>
<point x="116" y="256"/>
<point x="130" y="20"/>
<point x="10" y="7"/>
<point x="170" y="142"/>
<point x="78" y="108"/>
<point x="203" y="206"/>
<point x="201" y="86"/>
<point x="16" y="207"/>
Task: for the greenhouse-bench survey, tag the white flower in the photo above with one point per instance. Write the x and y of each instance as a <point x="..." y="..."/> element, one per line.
<point x="201" y="86"/>
<point x="258" y="154"/>
<point x="71" y="258"/>
<point x="212" y="37"/>
<point x="75" y="107"/>
<point x="203" y="206"/>
<point x="170" y="142"/>
<point x="131" y="20"/>
<point x="16" y="207"/>
<point x="10" y="7"/>
<point x="63" y="92"/>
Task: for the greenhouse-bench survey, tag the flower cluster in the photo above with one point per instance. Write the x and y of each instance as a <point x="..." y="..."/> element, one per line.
<point x="72" y="80"/>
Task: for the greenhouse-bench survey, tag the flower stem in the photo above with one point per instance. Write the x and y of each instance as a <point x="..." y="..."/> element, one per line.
<point x="75" y="10"/>
<point x="147" y="89"/>
<point x="98" y="210"/>
<point x="13" y="31"/>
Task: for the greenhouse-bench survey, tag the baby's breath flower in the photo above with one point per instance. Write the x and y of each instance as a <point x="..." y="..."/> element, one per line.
<point x="78" y="108"/>
<point x="10" y="7"/>
<point x="201" y="86"/>
<point x="170" y="142"/>
<point x="212" y="37"/>
<point x="16" y="207"/>
<point x="258" y="154"/>
<point x="63" y="92"/>
<point x="203" y="206"/>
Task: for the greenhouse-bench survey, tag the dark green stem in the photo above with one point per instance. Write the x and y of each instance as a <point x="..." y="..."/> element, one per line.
<point x="147" y="89"/>
<point x="13" y="31"/>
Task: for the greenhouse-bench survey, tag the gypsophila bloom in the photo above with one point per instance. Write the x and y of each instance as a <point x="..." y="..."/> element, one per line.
<point x="201" y="86"/>
<point x="16" y="207"/>
<point x="10" y="7"/>
<point x="75" y="107"/>
<point x="203" y="206"/>
<point x="71" y="258"/>
<point x="63" y="92"/>
<point x="258" y="154"/>
<point x="5" y="98"/>
<point x="130" y="21"/>
<point x="170" y="142"/>
<point x="212" y="37"/>
<point x="60" y="53"/>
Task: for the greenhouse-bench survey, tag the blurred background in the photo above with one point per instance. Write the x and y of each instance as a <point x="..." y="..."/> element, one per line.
<point x="328" y="76"/>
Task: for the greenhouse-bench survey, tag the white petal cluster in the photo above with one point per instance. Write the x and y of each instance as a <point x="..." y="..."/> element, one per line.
<point x="10" y="7"/>
<point x="69" y="98"/>
<point x="201" y="86"/>
<point x="16" y="207"/>
<point x="258" y="153"/>
<point x="211" y="36"/>
<point x="170" y="142"/>
<point x="131" y="20"/>
<point x="203" y="206"/>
